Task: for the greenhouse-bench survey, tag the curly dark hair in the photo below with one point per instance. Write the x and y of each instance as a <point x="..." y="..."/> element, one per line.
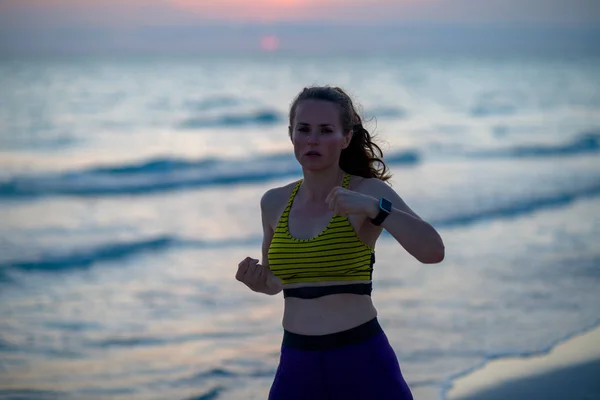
<point x="362" y="157"/>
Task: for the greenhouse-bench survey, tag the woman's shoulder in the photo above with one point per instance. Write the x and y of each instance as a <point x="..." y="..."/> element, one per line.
<point x="370" y="186"/>
<point x="359" y="183"/>
<point x="274" y="197"/>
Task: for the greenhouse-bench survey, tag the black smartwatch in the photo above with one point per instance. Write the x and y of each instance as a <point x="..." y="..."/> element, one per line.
<point x="385" y="208"/>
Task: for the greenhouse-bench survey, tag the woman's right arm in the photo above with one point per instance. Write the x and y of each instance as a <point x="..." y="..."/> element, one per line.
<point x="259" y="277"/>
<point x="268" y="204"/>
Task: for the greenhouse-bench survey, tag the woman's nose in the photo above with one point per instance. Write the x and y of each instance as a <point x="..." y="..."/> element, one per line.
<point x="313" y="138"/>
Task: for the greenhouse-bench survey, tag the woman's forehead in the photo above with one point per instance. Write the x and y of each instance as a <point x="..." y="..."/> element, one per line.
<point x="317" y="112"/>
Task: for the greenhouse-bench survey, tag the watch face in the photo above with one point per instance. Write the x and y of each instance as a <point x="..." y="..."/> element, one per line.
<point x="385" y="205"/>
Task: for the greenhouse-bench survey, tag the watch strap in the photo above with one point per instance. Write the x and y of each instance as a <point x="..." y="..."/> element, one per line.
<point x="385" y="208"/>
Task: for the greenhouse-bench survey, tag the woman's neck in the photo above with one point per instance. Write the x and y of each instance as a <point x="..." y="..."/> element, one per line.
<point x="316" y="186"/>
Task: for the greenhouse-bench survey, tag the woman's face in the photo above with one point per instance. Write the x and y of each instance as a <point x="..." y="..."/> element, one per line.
<point x="317" y="134"/>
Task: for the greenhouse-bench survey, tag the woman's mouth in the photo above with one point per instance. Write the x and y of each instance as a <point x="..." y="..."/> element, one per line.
<point x="312" y="153"/>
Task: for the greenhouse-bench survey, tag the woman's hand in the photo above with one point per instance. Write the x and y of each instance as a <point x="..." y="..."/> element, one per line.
<point x="344" y="202"/>
<point x="257" y="277"/>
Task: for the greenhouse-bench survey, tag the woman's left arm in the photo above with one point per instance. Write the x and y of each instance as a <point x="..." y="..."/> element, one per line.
<point x="418" y="237"/>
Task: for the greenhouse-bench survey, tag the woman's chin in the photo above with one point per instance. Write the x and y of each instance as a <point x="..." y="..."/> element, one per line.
<point x="313" y="165"/>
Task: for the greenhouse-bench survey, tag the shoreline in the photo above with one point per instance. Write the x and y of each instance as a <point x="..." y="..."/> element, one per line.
<point x="569" y="370"/>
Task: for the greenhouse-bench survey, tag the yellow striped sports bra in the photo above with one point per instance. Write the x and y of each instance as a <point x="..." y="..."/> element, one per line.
<point x="335" y="254"/>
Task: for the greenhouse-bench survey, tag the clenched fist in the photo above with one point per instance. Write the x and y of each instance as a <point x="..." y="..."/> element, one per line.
<point x="257" y="277"/>
<point x="344" y="202"/>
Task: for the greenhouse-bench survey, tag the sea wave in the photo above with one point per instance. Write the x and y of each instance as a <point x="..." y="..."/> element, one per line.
<point x="110" y="251"/>
<point x="519" y="206"/>
<point x="212" y="102"/>
<point x="114" y="251"/>
<point x="234" y="120"/>
<point x="584" y="143"/>
<point x="163" y="174"/>
<point x="508" y="354"/>
<point x="174" y="174"/>
<point x="28" y="394"/>
<point x="227" y="112"/>
<point x="79" y="258"/>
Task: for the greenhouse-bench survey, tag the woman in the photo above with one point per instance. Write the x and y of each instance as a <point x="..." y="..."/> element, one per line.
<point x="318" y="248"/>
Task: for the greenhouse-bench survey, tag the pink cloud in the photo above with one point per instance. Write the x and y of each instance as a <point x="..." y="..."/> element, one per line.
<point x="296" y="10"/>
<point x="134" y="13"/>
<point x="166" y="12"/>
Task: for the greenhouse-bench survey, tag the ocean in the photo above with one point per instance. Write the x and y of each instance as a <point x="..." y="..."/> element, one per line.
<point x="130" y="189"/>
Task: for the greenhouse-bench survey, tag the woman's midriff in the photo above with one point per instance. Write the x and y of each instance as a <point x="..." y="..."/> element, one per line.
<point x="327" y="314"/>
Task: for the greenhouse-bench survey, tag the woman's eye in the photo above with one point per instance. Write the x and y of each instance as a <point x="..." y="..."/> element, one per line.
<point x="326" y="131"/>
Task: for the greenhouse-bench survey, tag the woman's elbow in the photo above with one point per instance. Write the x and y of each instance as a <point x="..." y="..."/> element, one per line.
<point x="434" y="256"/>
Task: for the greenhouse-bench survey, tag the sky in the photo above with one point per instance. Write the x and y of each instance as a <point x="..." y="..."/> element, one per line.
<point x="200" y="25"/>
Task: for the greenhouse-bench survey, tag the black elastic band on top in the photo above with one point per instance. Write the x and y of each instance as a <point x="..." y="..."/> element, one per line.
<point x="332" y="340"/>
<point x="313" y="292"/>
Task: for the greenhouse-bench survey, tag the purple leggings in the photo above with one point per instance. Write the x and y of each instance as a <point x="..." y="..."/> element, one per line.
<point x="358" y="364"/>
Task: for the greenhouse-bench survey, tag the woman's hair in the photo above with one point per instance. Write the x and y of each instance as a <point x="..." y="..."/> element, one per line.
<point x="362" y="157"/>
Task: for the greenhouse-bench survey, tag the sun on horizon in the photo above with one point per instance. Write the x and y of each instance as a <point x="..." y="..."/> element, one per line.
<point x="269" y="43"/>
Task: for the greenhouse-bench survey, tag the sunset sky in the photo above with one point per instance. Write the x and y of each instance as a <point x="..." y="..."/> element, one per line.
<point x="26" y="23"/>
<point x="113" y="12"/>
